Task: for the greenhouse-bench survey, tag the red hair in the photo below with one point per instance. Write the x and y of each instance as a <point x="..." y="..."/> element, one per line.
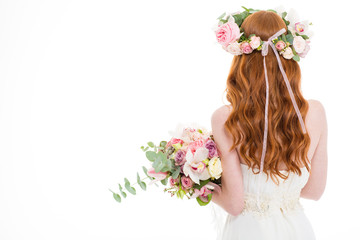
<point x="246" y="92"/>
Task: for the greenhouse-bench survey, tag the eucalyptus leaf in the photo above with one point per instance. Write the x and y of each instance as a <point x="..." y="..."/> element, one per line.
<point x="176" y="173"/>
<point x="150" y="155"/>
<point x="167" y="165"/>
<point x="123" y="194"/>
<point x="138" y="178"/>
<point x="145" y="171"/>
<point x="164" y="181"/>
<point x="117" y="197"/>
<point x="158" y="164"/>
<point x="163" y="143"/>
<point x="143" y="185"/>
<point x="151" y="144"/>
<point x="128" y="187"/>
<point x="121" y="191"/>
<point x="283" y="15"/>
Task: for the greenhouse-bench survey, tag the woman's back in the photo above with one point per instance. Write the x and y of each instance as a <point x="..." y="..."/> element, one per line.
<point x="280" y="208"/>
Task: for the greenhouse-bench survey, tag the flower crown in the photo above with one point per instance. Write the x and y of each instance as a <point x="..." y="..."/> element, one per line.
<point x="291" y="45"/>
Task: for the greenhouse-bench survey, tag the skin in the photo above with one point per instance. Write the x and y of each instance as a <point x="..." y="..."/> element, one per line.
<point x="230" y="195"/>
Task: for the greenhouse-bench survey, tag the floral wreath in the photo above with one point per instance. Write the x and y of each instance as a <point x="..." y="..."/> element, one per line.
<point x="292" y="44"/>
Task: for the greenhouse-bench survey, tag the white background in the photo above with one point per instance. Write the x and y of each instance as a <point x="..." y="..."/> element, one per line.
<point x="83" y="84"/>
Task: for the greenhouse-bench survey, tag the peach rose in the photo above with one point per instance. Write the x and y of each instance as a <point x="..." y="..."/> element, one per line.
<point x="280" y="45"/>
<point x="245" y="47"/>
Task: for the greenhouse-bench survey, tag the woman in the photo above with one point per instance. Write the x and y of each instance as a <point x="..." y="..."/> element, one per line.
<point x="295" y="163"/>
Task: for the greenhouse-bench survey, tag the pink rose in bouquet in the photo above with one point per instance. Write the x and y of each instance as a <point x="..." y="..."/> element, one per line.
<point x="187" y="165"/>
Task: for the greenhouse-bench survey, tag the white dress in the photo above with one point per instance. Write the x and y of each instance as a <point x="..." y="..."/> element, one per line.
<point x="281" y="216"/>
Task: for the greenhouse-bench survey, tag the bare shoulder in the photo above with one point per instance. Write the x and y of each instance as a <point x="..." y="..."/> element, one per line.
<point x="317" y="112"/>
<point x="316" y="106"/>
<point x="220" y="115"/>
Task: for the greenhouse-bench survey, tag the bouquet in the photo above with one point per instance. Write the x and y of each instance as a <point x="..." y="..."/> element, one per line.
<point x="188" y="165"/>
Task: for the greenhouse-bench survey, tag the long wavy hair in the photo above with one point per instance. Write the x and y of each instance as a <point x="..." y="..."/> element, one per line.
<point x="246" y="92"/>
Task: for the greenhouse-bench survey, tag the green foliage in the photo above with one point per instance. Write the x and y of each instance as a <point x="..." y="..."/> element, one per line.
<point x="164" y="181"/>
<point x="272" y="10"/>
<point x="180" y="194"/>
<point x="128" y="187"/>
<point x="117" y="197"/>
<point x="296" y="57"/>
<point x="150" y="155"/>
<point x="201" y="203"/>
<point x="304" y="36"/>
<point x="202" y="183"/>
<point x="141" y="183"/>
<point x="290" y="38"/>
<point x="163" y="144"/>
<point x="121" y="191"/>
<point x="176" y="173"/>
<point x="161" y="163"/>
<point x="221" y="16"/>
<point x="144" y="148"/>
<point x="151" y="144"/>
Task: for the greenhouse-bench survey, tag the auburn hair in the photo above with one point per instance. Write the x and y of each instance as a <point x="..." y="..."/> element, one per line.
<point x="246" y="92"/>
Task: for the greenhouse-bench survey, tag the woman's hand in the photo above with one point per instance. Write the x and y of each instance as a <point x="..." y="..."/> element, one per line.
<point x="217" y="189"/>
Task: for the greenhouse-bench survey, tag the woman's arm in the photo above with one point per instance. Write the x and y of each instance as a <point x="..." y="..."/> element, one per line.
<point x="315" y="186"/>
<point x="230" y="196"/>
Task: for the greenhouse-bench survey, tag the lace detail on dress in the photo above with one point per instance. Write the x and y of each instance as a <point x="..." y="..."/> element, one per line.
<point x="287" y="203"/>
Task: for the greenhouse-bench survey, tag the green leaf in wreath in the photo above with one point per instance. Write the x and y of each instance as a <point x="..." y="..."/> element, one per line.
<point x="296" y="57"/>
<point x="290" y="38"/>
<point x="272" y="10"/>
<point x="245" y="8"/>
<point x="151" y="144"/>
<point x="283" y="15"/>
<point x="304" y="36"/>
<point x="128" y="187"/>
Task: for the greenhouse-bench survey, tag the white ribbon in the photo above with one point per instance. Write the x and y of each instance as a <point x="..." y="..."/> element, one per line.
<point x="264" y="52"/>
